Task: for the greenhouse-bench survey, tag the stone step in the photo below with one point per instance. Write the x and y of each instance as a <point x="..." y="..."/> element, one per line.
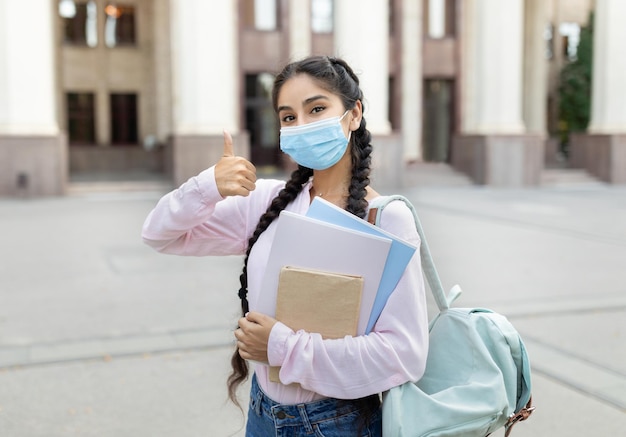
<point x="85" y="188"/>
<point x="567" y="177"/>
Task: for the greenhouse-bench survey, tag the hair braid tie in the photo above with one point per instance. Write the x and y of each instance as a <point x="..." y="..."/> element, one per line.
<point x="243" y="295"/>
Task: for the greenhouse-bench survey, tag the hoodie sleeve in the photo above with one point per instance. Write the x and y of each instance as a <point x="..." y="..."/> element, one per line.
<point x="195" y="219"/>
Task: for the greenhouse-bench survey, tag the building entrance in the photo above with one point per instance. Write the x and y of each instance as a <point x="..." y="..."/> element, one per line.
<point x="261" y="121"/>
<point x="438" y="120"/>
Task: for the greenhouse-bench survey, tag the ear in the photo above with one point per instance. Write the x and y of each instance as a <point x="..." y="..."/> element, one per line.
<point x="357" y="115"/>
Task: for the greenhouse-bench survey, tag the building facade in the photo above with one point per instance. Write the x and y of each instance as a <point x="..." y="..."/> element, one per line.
<point x="97" y="89"/>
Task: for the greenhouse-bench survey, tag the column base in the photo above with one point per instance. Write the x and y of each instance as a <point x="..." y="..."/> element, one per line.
<point x="190" y="154"/>
<point x="115" y="159"/>
<point x="387" y="162"/>
<point x="500" y="160"/>
<point x="602" y="155"/>
<point x="33" y="166"/>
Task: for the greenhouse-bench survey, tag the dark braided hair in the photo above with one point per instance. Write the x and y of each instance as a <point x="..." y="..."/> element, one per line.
<point x="298" y="178"/>
<point x="334" y="75"/>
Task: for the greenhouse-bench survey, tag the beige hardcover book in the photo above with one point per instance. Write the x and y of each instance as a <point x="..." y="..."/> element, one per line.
<point x="316" y="301"/>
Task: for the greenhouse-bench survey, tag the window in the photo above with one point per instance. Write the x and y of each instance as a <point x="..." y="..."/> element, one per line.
<point x="124" y="119"/>
<point x="438" y="120"/>
<point x="79" y="22"/>
<point x="392" y="104"/>
<point x="322" y="16"/>
<point x="261" y="120"/>
<point x="548" y="36"/>
<point x="570" y="32"/>
<point x="119" y="27"/>
<point x="81" y="125"/>
<point x="260" y="14"/>
<point x="440" y="18"/>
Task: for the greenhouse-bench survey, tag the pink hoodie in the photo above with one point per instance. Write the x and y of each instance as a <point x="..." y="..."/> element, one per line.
<point x="195" y="220"/>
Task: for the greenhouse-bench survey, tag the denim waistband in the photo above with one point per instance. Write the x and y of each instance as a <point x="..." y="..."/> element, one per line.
<point x="306" y="413"/>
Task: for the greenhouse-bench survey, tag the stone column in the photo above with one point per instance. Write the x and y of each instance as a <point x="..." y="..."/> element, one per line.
<point x="411" y="79"/>
<point x="362" y="39"/>
<point x="205" y="83"/>
<point x="33" y="152"/>
<point x="493" y="147"/>
<point x="603" y="150"/>
<point x="162" y="69"/>
<point x="536" y="75"/>
<point x="608" y="108"/>
<point x="497" y="68"/>
<point x="537" y="16"/>
<point x="299" y="29"/>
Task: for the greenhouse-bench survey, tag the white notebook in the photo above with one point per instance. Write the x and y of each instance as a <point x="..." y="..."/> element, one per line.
<point x="304" y="242"/>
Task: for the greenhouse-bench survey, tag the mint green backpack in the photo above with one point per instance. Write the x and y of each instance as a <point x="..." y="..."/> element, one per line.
<point x="477" y="376"/>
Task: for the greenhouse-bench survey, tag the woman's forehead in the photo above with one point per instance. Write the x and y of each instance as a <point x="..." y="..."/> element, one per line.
<point x="297" y="89"/>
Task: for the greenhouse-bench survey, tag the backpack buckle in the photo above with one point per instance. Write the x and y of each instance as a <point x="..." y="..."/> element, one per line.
<point x="520" y="416"/>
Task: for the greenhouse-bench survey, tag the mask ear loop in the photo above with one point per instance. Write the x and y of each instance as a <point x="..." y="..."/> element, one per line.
<point x="349" y="130"/>
<point x="353" y="119"/>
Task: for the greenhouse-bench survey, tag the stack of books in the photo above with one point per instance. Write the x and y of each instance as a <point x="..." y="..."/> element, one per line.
<point x="330" y="272"/>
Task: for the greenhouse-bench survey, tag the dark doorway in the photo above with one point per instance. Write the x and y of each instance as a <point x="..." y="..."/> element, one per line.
<point x="81" y="124"/>
<point x="261" y="120"/>
<point x="438" y="120"/>
<point x="124" y="119"/>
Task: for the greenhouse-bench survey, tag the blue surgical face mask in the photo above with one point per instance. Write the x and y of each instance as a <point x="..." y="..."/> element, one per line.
<point x="318" y="145"/>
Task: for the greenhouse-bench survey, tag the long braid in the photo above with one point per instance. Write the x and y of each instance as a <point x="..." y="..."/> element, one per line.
<point x="361" y="161"/>
<point x="292" y="188"/>
<point x="361" y="148"/>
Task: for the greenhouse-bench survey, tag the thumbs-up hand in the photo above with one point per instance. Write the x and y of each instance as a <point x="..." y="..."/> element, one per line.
<point x="235" y="176"/>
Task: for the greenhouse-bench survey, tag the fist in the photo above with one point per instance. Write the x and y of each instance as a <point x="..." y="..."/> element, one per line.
<point x="235" y="176"/>
<point x="253" y="335"/>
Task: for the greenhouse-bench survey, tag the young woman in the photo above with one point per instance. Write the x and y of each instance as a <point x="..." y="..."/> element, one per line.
<point x="225" y="210"/>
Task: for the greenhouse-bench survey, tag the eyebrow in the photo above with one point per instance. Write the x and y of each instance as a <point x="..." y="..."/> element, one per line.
<point x="305" y="102"/>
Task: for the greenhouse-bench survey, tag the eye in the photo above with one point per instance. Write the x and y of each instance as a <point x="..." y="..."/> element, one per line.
<point x="287" y="118"/>
<point x="317" y="109"/>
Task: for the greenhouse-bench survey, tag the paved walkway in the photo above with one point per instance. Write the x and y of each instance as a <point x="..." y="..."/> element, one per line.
<point x="100" y="336"/>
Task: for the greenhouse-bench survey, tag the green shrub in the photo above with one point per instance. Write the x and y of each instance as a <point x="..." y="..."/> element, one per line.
<point x="575" y="88"/>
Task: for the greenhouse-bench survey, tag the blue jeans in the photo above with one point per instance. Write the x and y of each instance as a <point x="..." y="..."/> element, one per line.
<point x="323" y="418"/>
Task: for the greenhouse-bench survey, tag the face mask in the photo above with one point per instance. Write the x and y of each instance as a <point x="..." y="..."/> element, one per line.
<point x="318" y="145"/>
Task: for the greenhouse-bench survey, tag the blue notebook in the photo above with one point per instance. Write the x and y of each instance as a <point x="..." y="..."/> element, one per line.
<point x="399" y="256"/>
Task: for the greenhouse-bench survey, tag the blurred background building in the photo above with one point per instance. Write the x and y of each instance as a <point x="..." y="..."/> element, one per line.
<point x="143" y="89"/>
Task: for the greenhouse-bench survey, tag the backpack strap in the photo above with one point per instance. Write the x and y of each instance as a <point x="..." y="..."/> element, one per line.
<point x="428" y="265"/>
<point x="524" y="407"/>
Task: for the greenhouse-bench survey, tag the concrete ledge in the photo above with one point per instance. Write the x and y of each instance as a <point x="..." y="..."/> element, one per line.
<point x="33" y="165"/>
<point x="87" y="159"/>
<point x="500" y="160"/>
<point x="602" y="155"/>
<point x="552" y="153"/>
